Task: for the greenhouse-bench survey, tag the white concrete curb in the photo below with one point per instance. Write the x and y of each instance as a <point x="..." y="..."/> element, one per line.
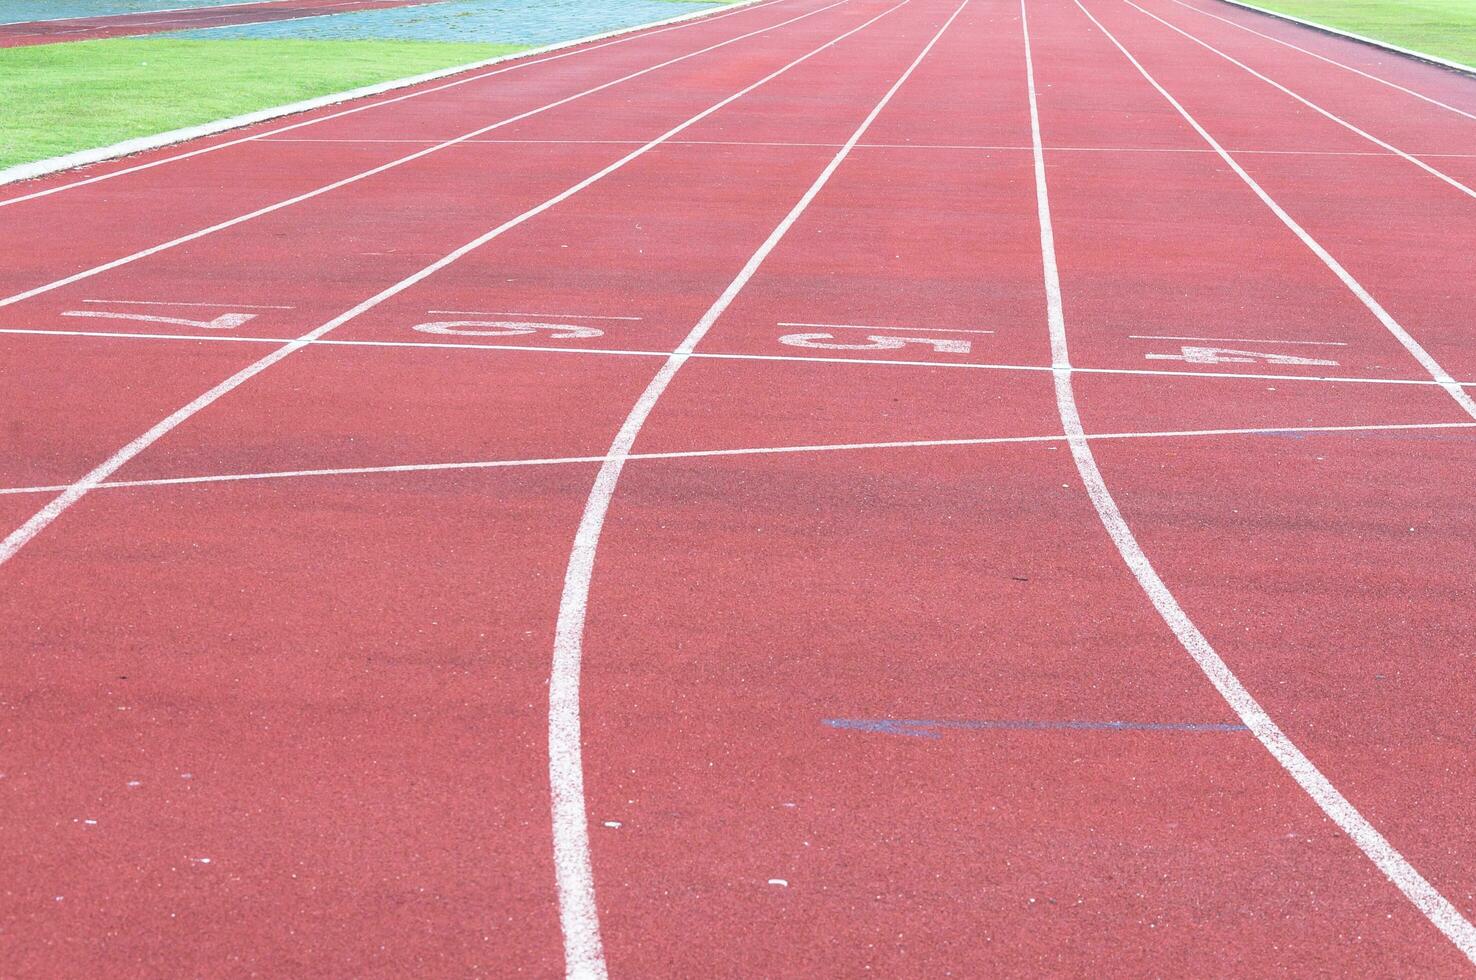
<point x="1407" y="52"/>
<point x="82" y="158"/>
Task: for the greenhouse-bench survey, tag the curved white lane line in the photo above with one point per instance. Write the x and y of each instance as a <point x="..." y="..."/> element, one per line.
<point x="1412" y="346"/>
<point x="1435" y="906"/>
<point x="521" y="59"/>
<point x="1357" y="71"/>
<point x="18" y="538"/>
<point x="390" y="165"/>
<point x="1325" y="113"/>
<point x="578" y="913"/>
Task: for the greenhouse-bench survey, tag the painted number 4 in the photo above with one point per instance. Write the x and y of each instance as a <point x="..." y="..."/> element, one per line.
<point x="1224" y="355"/>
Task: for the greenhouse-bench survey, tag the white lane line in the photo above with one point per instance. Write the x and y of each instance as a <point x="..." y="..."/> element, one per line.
<point x="719" y="355"/>
<point x="578" y="913"/>
<point x="159" y="302"/>
<point x="537" y="316"/>
<point x="1445" y="916"/>
<point x="1431" y="366"/>
<point x="1357" y="71"/>
<point x="1326" y="113"/>
<point x="859" y="326"/>
<point x="18" y="538"/>
<point x="1239" y="340"/>
<point x="492" y="464"/>
<point x="401" y="161"/>
<point x="511" y="62"/>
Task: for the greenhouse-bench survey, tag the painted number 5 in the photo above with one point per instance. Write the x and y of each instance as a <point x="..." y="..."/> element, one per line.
<point x="876" y="341"/>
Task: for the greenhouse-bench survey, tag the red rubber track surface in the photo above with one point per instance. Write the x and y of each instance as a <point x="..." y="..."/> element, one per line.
<point x="900" y="708"/>
<point x="194" y="18"/>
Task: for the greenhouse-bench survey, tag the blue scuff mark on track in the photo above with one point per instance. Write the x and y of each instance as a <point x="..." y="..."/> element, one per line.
<point x="531" y="22"/>
<point x="934" y="728"/>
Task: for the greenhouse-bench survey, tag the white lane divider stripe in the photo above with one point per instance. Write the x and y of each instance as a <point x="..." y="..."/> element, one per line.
<point x="583" y="951"/>
<point x="1435" y="906"/>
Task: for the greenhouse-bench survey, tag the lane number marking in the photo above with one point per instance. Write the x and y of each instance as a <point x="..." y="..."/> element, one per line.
<point x="225" y="321"/>
<point x="508" y="328"/>
<point x="877" y="341"/>
<point x="1224" y="355"/>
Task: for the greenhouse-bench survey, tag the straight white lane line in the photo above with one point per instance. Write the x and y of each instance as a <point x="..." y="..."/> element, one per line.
<point x="1328" y="114"/>
<point x="1313" y="54"/>
<point x="583" y="952"/>
<point x="400" y="161"/>
<point x="862" y="326"/>
<point x="536" y="316"/>
<point x="1426" y="361"/>
<point x="216" y="306"/>
<point x="917" y="146"/>
<point x="492" y="464"/>
<point x="516" y="62"/>
<point x="717" y="355"/>
<point x="1445" y="916"/>
<point x="18" y="538"/>
<point x="1239" y="340"/>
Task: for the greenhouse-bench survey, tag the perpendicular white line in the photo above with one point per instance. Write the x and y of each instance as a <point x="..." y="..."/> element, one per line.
<point x="961" y="442"/>
<point x="1406" y="340"/>
<point x="509" y="62"/>
<point x="578" y="913"/>
<point x="1435" y="906"/>
<point x="390" y="165"/>
<point x="159" y="302"/>
<point x="1357" y="71"/>
<point x="858" y="326"/>
<point x="536" y="316"/>
<point x="1238" y="340"/>
<point x="1325" y="113"/>
<point x="888" y="146"/>
<point x="731" y="356"/>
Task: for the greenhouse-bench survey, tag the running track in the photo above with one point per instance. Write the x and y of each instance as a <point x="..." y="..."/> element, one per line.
<point x="193" y="18"/>
<point x="920" y="487"/>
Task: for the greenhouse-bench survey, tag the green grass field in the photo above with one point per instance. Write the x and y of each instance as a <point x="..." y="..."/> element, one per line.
<point x="58" y="98"/>
<point x="1446" y="28"/>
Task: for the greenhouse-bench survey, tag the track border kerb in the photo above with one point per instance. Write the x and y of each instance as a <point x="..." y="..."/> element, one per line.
<point x="142" y="144"/>
<point x="1360" y="38"/>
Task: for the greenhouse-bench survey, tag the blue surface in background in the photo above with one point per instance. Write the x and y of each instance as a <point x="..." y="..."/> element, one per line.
<point x="533" y="22"/>
<point x="18" y="11"/>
